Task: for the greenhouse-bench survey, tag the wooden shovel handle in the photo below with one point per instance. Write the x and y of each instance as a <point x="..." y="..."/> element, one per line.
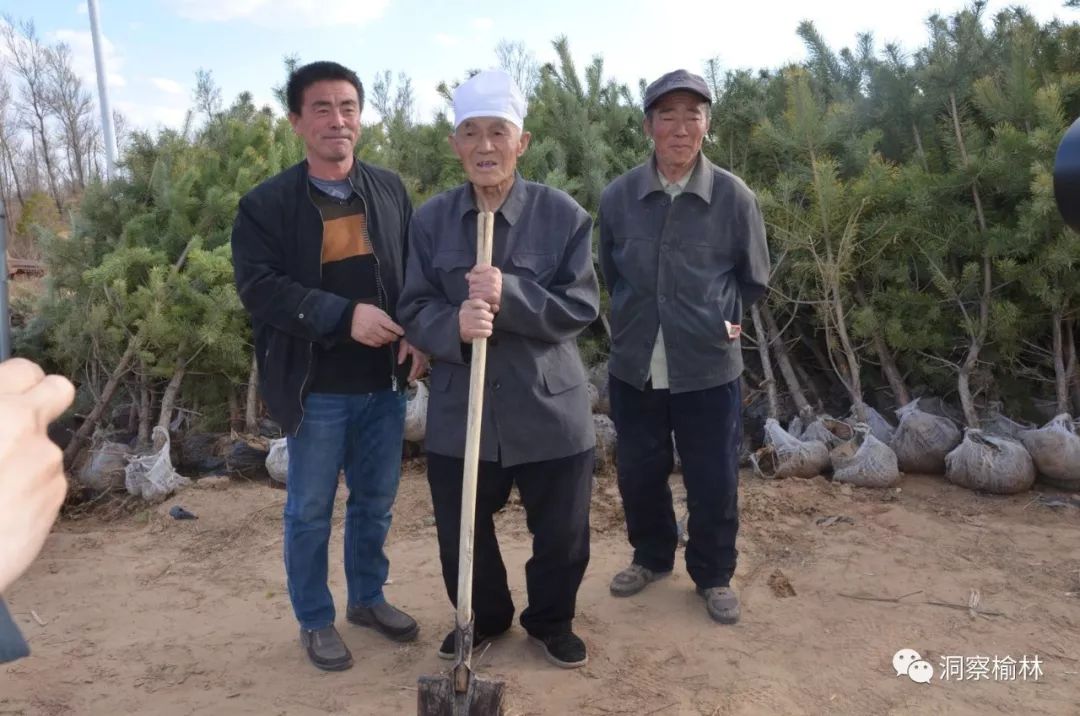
<point x="485" y="224"/>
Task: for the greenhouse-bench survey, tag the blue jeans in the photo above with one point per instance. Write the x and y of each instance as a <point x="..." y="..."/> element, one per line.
<point x="361" y="434"/>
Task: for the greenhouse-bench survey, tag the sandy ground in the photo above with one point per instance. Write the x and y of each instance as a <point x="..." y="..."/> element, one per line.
<point x="131" y="612"/>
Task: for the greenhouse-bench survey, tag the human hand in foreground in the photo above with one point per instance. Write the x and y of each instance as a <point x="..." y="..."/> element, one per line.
<point x="32" y="482"/>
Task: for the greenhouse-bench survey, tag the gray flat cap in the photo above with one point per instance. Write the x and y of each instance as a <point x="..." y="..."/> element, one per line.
<point x="676" y="80"/>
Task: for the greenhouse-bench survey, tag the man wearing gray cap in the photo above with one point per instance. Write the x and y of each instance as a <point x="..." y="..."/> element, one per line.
<point x="538" y="294"/>
<point x="683" y="252"/>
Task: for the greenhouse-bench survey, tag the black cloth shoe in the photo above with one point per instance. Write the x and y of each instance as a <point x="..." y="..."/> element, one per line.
<point x="326" y="649"/>
<point x="386" y="619"/>
<point x="446" y="651"/>
<point x="565" y="650"/>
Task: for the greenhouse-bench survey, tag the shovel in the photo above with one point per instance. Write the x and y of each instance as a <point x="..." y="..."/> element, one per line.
<point x="461" y="692"/>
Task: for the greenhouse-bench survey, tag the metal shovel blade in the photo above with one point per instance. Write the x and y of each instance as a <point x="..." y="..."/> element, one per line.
<point x="460" y="692"/>
<point x="436" y="696"/>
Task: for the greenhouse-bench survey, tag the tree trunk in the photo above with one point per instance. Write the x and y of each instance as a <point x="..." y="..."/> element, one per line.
<point x="892" y="371"/>
<point x="919" y="147"/>
<point x="9" y="220"/>
<point x="251" y="412"/>
<point x="14" y="175"/>
<point x="168" y="398"/>
<point x="783" y="359"/>
<point x="82" y="435"/>
<point x="830" y="275"/>
<point x="811" y="386"/>
<point x="49" y="169"/>
<point x="235" y="418"/>
<point x="978" y="333"/>
<point x="974" y="348"/>
<point x="1061" y="375"/>
<point x="885" y="357"/>
<point x="964" y="385"/>
<point x="133" y="412"/>
<point x="854" y="381"/>
<point x="1072" y="368"/>
<point x="77" y="158"/>
<point x="819" y="355"/>
<point x="146" y="403"/>
<point x="766" y="363"/>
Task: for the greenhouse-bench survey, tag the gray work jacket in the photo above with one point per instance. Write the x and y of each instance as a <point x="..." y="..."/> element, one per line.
<point x="536" y="406"/>
<point x="687" y="264"/>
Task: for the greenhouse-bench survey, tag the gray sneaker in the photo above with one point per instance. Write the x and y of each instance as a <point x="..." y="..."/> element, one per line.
<point x="633" y="579"/>
<point x="326" y="649"/>
<point x="386" y="619"/>
<point x="722" y="603"/>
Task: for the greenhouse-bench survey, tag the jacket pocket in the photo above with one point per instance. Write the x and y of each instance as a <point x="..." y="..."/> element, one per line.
<point x="452" y="260"/>
<point x="563" y="376"/>
<point x="537" y="266"/>
<point x="451" y="267"/>
<point x="440" y="378"/>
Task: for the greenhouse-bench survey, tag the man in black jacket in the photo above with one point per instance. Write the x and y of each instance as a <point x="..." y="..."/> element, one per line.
<point x="319" y="256"/>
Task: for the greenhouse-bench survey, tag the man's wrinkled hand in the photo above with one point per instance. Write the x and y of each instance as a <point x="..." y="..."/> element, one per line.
<point x="372" y="327"/>
<point x="485" y="284"/>
<point x="475" y="320"/>
<point x="419" y="360"/>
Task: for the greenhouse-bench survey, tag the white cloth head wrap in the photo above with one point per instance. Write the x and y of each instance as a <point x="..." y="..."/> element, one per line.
<point x="491" y="93"/>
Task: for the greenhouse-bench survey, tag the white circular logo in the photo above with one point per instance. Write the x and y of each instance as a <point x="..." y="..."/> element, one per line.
<point x="903" y="659"/>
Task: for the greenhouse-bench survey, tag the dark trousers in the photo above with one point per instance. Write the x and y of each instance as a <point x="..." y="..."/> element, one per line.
<point x="555" y="494"/>
<point x="708" y="432"/>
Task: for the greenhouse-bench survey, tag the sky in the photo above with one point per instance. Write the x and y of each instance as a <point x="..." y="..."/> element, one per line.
<point x="154" y="47"/>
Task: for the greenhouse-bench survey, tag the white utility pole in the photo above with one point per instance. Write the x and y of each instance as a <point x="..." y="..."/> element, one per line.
<point x="103" y="92"/>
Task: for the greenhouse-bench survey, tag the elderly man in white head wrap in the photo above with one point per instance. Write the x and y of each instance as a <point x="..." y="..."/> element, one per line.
<point x="538" y="294"/>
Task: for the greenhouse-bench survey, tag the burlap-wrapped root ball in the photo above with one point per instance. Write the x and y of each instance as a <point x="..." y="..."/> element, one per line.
<point x="1055" y="448"/>
<point x="922" y="440"/>
<point x="991" y="464"/>
<point x="786" y="456"/>
<point x="865" y="461"/>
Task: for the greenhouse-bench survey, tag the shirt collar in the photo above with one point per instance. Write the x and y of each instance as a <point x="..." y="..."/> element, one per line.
<point x="700" y="181"/>
<point x="680" y="184"/>
<point x="511" y="207"/>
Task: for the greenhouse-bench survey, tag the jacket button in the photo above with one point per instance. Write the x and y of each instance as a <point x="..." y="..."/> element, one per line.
<point x="662" y="299"/>
<point x="495" y="385"/>
<point x="301" y="315"/>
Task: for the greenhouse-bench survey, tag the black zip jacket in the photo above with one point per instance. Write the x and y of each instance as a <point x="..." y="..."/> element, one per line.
<point x="277" y="261"/>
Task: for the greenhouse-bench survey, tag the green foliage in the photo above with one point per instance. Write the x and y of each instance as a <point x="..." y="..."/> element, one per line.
<point x="38" y="213"/>
<point x="115" y="276"/>
<point x="866" y="162"/>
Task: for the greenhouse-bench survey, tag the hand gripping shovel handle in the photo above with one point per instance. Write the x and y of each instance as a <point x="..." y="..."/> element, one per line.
<point x="485" y="224"/>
